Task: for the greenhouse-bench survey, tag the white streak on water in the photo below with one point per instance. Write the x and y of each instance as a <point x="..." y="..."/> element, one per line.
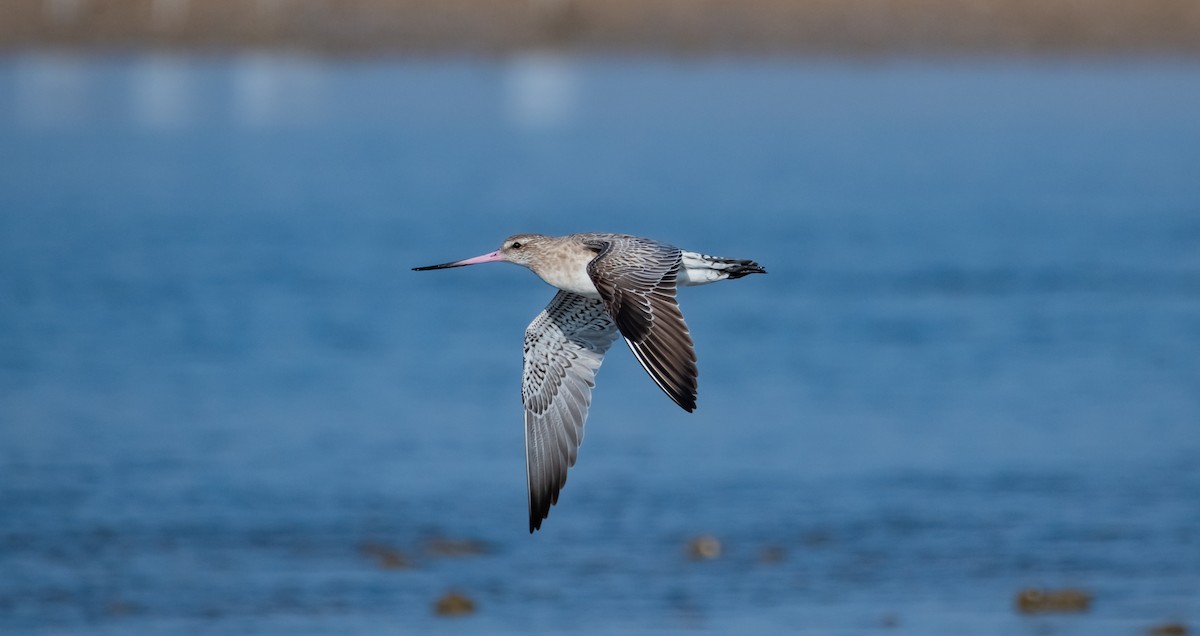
<point x="162" y="95"/>
<point x="51" y="90"/>
<point x="541" y="91"/>
<point x="274" y="91"/>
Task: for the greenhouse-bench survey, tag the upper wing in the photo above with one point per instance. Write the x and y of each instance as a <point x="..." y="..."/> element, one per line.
<point x="564" y="347"/>
<point x="636" y="278"/>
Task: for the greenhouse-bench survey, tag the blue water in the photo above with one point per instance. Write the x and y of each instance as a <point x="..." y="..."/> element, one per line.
<point x="973" y="368"/>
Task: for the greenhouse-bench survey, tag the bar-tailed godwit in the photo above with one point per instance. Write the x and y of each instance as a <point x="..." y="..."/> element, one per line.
<point x="608" y="283"/>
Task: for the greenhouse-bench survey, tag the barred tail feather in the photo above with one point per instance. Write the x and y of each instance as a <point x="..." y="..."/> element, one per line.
<point x="702" y="268"/>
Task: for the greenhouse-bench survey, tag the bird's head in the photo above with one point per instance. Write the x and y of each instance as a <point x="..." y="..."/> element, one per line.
<point x="521" y="249"/>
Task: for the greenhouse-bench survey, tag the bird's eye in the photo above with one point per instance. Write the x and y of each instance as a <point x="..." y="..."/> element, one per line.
<point x="516" y="245"/>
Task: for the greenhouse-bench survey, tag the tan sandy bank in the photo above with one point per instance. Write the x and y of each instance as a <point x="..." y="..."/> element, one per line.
<point x="836" y="27"/>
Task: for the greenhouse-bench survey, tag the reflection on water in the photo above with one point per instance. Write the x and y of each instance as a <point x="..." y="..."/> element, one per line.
<point x="271" y="91"/>
<point x="541" y="90"/>
<point x="162" y="93"/>
<point x="227" y="405"/>
<point x="159" y="92"/>
<point x="52" y="90"/>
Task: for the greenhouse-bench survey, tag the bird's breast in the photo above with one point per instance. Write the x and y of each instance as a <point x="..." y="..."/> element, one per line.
<point x="574" y="281"/>
<point x="569" y="275"/>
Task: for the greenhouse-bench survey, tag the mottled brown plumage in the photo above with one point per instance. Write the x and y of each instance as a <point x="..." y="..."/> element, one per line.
<point x="636" y="278"/>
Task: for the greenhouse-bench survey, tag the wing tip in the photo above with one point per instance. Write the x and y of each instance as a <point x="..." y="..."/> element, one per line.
<point x="687" y="403"/>
<point x="536" y="517"/>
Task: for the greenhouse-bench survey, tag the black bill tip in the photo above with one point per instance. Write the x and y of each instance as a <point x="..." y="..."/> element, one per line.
<point x="442" y="266"/>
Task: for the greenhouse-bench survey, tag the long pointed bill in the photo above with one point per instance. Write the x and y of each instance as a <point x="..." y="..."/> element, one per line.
<point x="486" y="258"/>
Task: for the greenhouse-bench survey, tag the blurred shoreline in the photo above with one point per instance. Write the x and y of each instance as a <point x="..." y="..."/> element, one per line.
<point x="498" y="27"/>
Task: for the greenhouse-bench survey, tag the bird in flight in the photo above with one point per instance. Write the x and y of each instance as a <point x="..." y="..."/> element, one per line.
<point x="608" y="284"/>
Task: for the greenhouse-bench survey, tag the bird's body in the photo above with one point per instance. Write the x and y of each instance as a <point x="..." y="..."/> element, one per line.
<point x="609" y="284"/>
